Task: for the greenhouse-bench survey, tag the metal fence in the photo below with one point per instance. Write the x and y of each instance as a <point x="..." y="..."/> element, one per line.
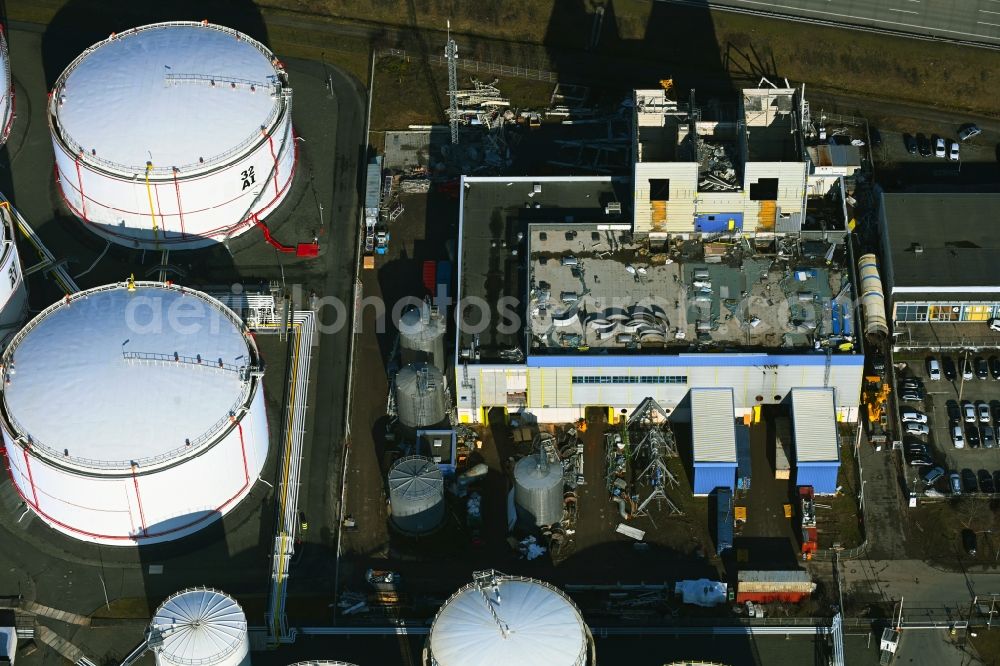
<point x="478" y="66"/>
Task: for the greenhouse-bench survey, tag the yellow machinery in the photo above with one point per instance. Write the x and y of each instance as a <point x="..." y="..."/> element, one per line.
<point x="876" y="397"/>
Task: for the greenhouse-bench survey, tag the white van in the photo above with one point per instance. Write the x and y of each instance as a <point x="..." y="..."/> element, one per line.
<point x="933" y="369"/>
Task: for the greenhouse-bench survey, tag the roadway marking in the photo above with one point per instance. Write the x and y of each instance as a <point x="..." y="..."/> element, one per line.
<point x="986" y="11"/>
<point x="901" y="11"/>
<point x="995" y="25"/>
<point x="874" y="20"/>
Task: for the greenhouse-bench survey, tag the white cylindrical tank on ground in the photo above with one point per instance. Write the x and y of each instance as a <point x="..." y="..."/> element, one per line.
<point x="421" y="330"/>
<point x="421" y="396"/>
<point x="872" y="299"/>
<point x="173" y="134"/>
<point x="133" y="414"/>
<point x="500" y="620"/>
<point x="538" y="488"/>
<point x="199" y="627"/>
<point x="416" y="495"/>
<point x="7" y="93"/>
<point x="13" y="292"/>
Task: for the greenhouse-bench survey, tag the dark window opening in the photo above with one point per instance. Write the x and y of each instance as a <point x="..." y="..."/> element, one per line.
<point x="659" y="189"/>
<point x="765" y="189"/>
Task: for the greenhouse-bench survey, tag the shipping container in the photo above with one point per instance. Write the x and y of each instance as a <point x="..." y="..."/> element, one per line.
<point x="430" y="276"/>
<point x="724" y="519"/>
<point x="782" y="447"/>
<point x="743" y="468"/>
<point x="443" y="280"/>
<point x="790" y="586"/>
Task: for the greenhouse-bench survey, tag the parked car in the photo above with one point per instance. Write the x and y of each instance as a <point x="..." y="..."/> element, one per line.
<point x="993" y="323"/>
<point x="955" y="482"/>
<point x="949" y="368"/>
<point x="969" y="411"/>
<point x="969" y="542"/>
<point x="967" y="369"/>
<point x="968" y="131"/>
<point x="878" y="361"/>
<point x="984" y="411"/>
<point x="986" y="482"/>
<point x="931" y="475"/>
<point x="911" y="143"/>
<point x="923" y="145"/>
<point x="917" y="448"/>
<point x="933" y="369"/>
<point x="982" y="370"/>
<point x="938" y="146"/>
<point x="916" y="429"/>
<point x="912" y="395"/>
<point x="972" y="436"/>
<point x="920" y="461"/>
<point x="953" y="152"/>
<point x="913" y="417"/>
<point x="996" y="479"/>
<point x="989" y="436"/>
<point x="969" y="483"/>
<point x="875" y="136"/>
<point x="954" y="414"/>
<point x="957" y="437"/>
<point x="995" y="367"/>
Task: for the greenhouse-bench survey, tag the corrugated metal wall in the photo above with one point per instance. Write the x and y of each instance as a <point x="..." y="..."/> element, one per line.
<point x="822" y="477"/>
<point x="708" y="477"/>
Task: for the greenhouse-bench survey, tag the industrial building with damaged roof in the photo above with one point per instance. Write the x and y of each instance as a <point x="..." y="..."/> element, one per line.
<point x="584" y="312"/>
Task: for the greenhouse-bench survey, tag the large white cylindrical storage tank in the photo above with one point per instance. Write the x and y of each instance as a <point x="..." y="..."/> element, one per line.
<point x="199" y="627"/>
<point x="872" y="299"/>
<point x="7" y="92"/>
<point x="13" y="292"/>
<point x="173" y="135"/>
<point x="133" y="413"/>
<point x="538" y="488"/>
<point x="416" y="495"/>
<point x="421" y="332"/>
<point x="421" y="396"/>
<point x="500" y="620"/>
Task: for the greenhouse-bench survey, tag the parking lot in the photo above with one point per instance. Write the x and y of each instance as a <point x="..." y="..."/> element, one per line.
<point x="944" y="404"/>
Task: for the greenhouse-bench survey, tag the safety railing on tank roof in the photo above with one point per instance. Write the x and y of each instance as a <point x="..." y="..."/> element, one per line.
<point x="130" y="170"/>
<point x="278" y="90"/>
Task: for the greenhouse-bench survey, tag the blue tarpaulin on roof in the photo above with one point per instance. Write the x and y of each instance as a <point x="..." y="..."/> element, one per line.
<point x="718" y="222"/>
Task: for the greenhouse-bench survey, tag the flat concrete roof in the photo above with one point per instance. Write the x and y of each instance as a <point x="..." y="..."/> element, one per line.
<point x="957" y="235"/>
<point x="495" y="217"/>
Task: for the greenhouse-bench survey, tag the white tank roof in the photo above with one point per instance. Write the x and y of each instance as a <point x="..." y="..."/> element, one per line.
<point x="98" y="377"/>
<point x="544" y="627"/>
<point x="198" y="626"/>
<point x="147" y="95"/>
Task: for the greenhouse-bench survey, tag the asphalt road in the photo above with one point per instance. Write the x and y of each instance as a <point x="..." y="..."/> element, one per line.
<point x="964" y="20"/>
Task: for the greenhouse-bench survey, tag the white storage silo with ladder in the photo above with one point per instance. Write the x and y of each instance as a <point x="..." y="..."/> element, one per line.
<point x="199" y="627"/>
<point x="133" y="413"/>
<point x="173" y="135"/>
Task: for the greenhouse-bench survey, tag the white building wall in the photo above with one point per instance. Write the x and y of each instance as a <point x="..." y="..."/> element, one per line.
<point x="683" y="194"/>
<point x="171" y="502"/>
<point x="551" y="391"/>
